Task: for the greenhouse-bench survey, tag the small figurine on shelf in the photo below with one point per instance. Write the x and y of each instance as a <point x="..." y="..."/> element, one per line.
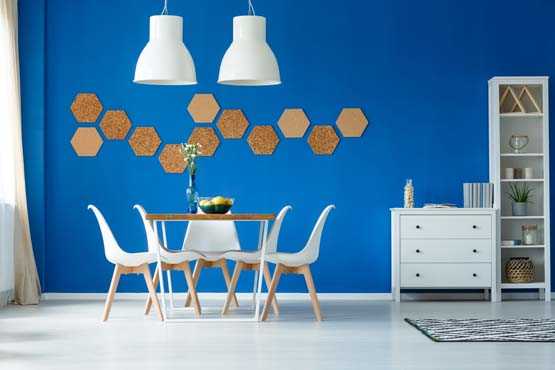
<point x="409" y="194"/>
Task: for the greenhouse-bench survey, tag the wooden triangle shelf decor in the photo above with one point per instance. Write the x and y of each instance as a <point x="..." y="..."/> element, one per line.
<point x="523" y="102"/>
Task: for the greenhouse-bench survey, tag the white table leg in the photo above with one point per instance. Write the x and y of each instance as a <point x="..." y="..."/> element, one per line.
<point x="264" y="226"/>
<point x="255" y="280"/>
<point x="168" y="273"/>
<point x="170" y="288"/>
<point x="160" y="273"/>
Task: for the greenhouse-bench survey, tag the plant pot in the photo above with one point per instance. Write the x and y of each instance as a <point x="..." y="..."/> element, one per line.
<point x="520" y="208"/>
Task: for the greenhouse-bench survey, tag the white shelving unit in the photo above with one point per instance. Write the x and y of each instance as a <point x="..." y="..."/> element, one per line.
<point x="528" y="115"/>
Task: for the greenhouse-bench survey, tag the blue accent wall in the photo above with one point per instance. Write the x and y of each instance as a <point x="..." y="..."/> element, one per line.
<point x="419" y="71"/>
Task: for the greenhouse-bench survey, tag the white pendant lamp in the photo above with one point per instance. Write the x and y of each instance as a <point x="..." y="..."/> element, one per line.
<point x="249" y="61"/>
<point x="165" y="60"/>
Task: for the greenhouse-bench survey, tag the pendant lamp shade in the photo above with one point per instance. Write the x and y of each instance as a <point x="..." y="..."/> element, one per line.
<point x="165" y="60"/>
<point x="249" y="61"/>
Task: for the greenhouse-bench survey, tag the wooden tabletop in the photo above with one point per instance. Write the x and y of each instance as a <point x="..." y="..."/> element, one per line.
<point x="210" y="217"/>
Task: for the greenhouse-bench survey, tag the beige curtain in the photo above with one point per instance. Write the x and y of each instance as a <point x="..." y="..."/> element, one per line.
<point x="12" y="176"/>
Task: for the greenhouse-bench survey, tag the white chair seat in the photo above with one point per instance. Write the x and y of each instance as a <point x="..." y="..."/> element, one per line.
<point x="210" y="256"/>
<point x="287" y="259"/>
<point x="243" y="256"/>
<point x="177" y="257"/>
<point x="137" y="259"/>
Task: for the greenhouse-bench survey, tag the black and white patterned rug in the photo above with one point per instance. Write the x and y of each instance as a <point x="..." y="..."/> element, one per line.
<point x="486" y="330"/>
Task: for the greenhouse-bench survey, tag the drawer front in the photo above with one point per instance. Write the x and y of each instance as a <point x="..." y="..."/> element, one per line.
<point x="448" y="275"/>
<point x="437" y="226"/>
<point x="445" y="250"/>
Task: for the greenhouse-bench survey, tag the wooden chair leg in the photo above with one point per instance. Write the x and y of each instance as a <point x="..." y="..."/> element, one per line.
<point x="268" y="280"/>
<point x="196" y="275"/>
<point x="112" y="291"/>
<point x="232" y="286"/>
<point x="191" y="288"/>
<point x="151" y="290"/>
<point x="227" y="279"/>
<point x="271" y="291"/>
<point x="312" y="291"/>
<point x="155" y="282"/>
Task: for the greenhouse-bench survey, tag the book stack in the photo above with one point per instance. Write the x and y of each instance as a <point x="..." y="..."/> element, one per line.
<point x="478" y="195"/>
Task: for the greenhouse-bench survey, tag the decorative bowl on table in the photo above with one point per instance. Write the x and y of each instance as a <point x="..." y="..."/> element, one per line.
<point x="215" y="205"/>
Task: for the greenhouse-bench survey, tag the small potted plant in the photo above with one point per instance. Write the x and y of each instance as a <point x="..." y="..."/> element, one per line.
<point x="190" y="153"/>
<point x="521" y="196"/>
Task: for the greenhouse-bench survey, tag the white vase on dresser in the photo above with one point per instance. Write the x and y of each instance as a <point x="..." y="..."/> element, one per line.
<point x="449" y="248"/>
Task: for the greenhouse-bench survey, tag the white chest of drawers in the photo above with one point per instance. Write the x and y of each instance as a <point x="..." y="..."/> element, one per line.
<point x="453" y="248"/>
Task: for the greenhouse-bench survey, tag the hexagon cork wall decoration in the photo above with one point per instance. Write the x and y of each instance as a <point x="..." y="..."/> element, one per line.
<point x="323" y="140"/>
<point x="207" y="138"/>
<point x="171" y="159"/>
<point x="115" y="124"/>
<point x="293" y="123"/>
<point x="144" y="141"/>
<point x="351" y="122"/>
<point x="86" y="107"/>
<point x="203" y="108"/>
<point x="232" y="123"/>
<point x="86" y="142"/>
<point x="263" y="140"/>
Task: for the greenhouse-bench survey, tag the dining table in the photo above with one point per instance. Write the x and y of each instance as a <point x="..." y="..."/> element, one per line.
<point x="159" y="220"/>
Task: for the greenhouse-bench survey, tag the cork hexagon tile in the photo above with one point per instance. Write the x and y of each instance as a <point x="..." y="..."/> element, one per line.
<point x="171" y="159"/>
<point x="115" y="124"/>
<point x="232" y="124"/>
<point x="203" y="108"/>
<point x="144" y="141"/>
<point x="351" y="122"/>
<point x="86" y="107"/>
<point x="86" y="142"/>
<point x="293" y="123"/>
<point x="323" y="140"/>
<point x="206" y="137"/>
<point x="263" y="140"/>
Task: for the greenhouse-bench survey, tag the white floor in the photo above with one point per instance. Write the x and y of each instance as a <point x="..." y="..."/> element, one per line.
<point x="356" y="335"/>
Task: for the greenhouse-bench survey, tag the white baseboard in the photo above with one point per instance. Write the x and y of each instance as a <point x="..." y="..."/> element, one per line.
<point x="221" y="296"/>
<point x="465" y="296"/>
<point x="406" y="297"/>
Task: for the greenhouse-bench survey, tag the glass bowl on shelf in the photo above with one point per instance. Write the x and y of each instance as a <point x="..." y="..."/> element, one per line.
<point x="518" y="142"/>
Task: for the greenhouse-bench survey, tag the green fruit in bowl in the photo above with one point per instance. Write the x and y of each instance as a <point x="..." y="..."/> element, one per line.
<point x="216" y="204"/>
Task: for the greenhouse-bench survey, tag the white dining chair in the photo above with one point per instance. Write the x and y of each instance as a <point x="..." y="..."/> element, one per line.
<point x="299" y="263"/>
<point x="171" y="261"/>
<point x="212" y="239"/>
<point x="125" y="263"/>
<point x="250" y="260"/>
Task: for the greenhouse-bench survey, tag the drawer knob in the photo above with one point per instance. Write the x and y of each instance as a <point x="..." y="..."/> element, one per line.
<point x="418" y="226"/>
<point x="475" y="251"/>
<point x="417" y="274"/>
<point x="418" y="251"/>
<point x="474" y="226"/>
<point x="474" y="274"/>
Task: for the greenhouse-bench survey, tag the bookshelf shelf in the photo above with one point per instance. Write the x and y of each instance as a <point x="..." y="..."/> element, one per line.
<point x="516" y="247"/>
<point x="521" y="154"/>
<point x="522" y="217"/>
<point x="521" y="180"/>
<point x="519" y="106"/>
<point x="535" y="285"/>
<point x="521" y="115"/>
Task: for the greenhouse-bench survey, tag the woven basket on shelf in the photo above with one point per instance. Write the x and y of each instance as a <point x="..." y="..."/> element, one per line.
<point x="519" y="270"/>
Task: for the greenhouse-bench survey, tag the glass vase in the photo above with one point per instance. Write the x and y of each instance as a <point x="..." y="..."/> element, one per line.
<point x="192" y="194"/>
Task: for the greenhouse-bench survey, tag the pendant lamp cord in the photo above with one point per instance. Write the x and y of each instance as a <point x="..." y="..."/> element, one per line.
<point x="165" y="10"/>
<point x="251" y="8"/>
